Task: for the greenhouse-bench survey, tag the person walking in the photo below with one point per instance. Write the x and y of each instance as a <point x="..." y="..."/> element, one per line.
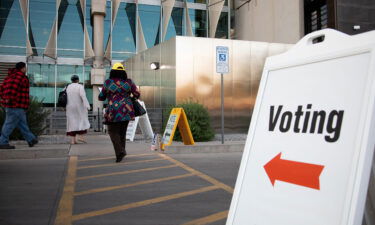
<point x="77" y="108"/>
<point x="118" y="89"/>
<point x="15" y="98"/>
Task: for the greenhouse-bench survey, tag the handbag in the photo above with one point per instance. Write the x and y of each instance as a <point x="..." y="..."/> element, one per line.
<point x="63" y="97"/>
<point x="138" y="108"/>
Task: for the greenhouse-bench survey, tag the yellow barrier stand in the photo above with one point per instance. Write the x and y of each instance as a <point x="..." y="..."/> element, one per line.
<point x="177" y="118"/>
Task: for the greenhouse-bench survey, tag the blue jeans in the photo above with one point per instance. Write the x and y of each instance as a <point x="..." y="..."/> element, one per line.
<point x="15" y="117"/>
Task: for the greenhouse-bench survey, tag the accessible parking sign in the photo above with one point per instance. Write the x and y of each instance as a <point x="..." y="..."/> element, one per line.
<point x="310" y="145"/>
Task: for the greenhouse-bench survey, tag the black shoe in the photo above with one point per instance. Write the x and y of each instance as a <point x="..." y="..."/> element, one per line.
<point x="7" y="146"/>
<point x="120" y="157"/>
<point x="33" y="142"/>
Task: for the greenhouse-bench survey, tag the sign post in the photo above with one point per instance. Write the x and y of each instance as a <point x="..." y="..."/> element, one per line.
<point x="222" y="66"/>
<point x="309" y="150"/>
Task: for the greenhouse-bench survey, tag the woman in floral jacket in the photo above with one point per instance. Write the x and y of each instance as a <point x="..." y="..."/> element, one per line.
<point x="118" y="90"/>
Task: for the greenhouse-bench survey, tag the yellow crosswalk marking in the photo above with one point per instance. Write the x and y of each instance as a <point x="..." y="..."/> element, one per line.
<point x="125" y="172"/>
<point x="96" y="190"/>
<point x="199" y="174"/>
<point x="119" y="164"/>
<point x="142" y="203"/>
<point x="209" y="219"/>
<point x="112" y="157"/>
<point x="65" y="209"/>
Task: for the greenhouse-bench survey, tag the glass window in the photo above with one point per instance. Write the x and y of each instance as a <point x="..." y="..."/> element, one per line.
<point x="123" y="41"/>
<point x="70" y="29"/>
<point x="41" y="16"/>
<point x="150" y="20"/>
<point x="42" y="82"/>
<point x="86" y="80"/>
<point x="197" y="1"/>
<point x="88" y="19"/>
<point x="107" y="24"/>
<point x="175" y="26"/>
<point x="198" y="22"/>
<point x="222" y="26"/>
<point x="12" y="28"/>
<point x="64" y="73"/>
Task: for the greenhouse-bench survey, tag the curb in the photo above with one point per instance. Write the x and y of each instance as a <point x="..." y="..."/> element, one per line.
<point x="205" y="148"/>
<point x="24" y="153"/>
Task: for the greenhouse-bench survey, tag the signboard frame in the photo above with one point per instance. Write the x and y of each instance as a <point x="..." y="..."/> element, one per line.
<point x="335" y="46"/>
<point x="179" y="120"/>
<point x="144" y="123"/>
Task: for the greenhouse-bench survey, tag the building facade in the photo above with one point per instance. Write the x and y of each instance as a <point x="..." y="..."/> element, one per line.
<point x="57" y="37"/>
<point x="287" y="21"/>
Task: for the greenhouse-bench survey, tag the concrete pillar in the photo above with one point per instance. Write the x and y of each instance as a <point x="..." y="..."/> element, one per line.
<point x="98" y="8"/>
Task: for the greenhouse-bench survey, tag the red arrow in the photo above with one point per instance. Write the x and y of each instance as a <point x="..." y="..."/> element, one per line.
<point x="303" y="174"/>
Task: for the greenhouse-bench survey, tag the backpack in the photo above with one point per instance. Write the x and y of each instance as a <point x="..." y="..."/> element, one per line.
<point x="63" y="97"/>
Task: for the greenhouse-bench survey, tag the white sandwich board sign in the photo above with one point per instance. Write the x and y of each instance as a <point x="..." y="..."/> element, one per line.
<point x="310" y="145"/>
<point x="144" y="123"/>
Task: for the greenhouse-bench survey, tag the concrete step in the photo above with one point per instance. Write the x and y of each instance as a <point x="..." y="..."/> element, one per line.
<point x="205" y="147"/>
<point x="36" y="152"/>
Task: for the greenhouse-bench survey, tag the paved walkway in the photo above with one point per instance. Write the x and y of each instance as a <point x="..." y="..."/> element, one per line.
<point x="148" y="188"/>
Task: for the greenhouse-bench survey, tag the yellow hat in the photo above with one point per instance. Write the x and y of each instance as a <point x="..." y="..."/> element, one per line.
<point x="118" y="66"/>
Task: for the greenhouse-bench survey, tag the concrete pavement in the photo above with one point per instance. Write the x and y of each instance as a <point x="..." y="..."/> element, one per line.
<point x="146" y="188"/>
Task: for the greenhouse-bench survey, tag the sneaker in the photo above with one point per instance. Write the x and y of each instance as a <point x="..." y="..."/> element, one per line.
<point x="7" y="146"/>
<point x="33" y="142"/>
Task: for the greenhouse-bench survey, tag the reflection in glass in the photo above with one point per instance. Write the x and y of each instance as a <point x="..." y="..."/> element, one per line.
<point x="175" y="26"/>
<point x="222" y="26"/>
<point x="107" y="24"/>
<point x="64" y="72"/>
<point x="12" y="28"/>
<point x="198" y="22"/>
<point x="197" y="1"/>
<point x="88" y="19"/>
<point x="150" y="20"/>
<point x="123" y="41"/>
<point x="86" y="81"/>
<point x="42" y="82"/>
<point x="41" y="16"/>
<point x="70" y="29"/>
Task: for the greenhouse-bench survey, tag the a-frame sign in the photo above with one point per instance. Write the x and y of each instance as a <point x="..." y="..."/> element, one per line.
<point x="177" y="118"/>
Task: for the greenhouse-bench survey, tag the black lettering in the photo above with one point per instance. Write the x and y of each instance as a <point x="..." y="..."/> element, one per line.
<point x="298" y="115"/>
<point x="307" y="117"/>
<point x="322" y="116"/>
<point x="334" y="128"/>
<point x="285" y="127"/>
<point x="273" y="120"/>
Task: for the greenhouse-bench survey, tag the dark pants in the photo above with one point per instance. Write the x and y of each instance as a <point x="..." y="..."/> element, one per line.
<point x="117" y="132"/>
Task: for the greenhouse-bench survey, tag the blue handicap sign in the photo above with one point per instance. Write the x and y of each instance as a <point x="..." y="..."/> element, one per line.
<point x="222" y="57"/>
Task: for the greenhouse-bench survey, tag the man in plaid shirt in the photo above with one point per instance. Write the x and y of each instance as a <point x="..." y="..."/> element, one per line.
<point x="14" y="94"/>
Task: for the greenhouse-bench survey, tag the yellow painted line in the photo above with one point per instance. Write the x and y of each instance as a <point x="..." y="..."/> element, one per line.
<point x="209" y="219"/>
<point x="141" y="203"/>
<point x="199" y="174"/>
<point x="65" y="209"/>
<point x="131" y="185"/>
<point x="118" y="164"/>
<point x="112" y="157"/>
<point x="125" y="172"/>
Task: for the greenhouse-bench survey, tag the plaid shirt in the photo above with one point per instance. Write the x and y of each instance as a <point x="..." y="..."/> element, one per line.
<point x="14" y="91"/>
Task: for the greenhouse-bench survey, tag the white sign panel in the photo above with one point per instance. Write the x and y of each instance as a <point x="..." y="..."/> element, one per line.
<point x="169" y="128"/>
<point x="309" y="150"/>
<point x="144" y="123"/>
<point x="222" y="59"/>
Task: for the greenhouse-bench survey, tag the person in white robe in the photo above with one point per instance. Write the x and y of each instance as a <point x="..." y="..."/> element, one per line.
<point x="76" y="111"/>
